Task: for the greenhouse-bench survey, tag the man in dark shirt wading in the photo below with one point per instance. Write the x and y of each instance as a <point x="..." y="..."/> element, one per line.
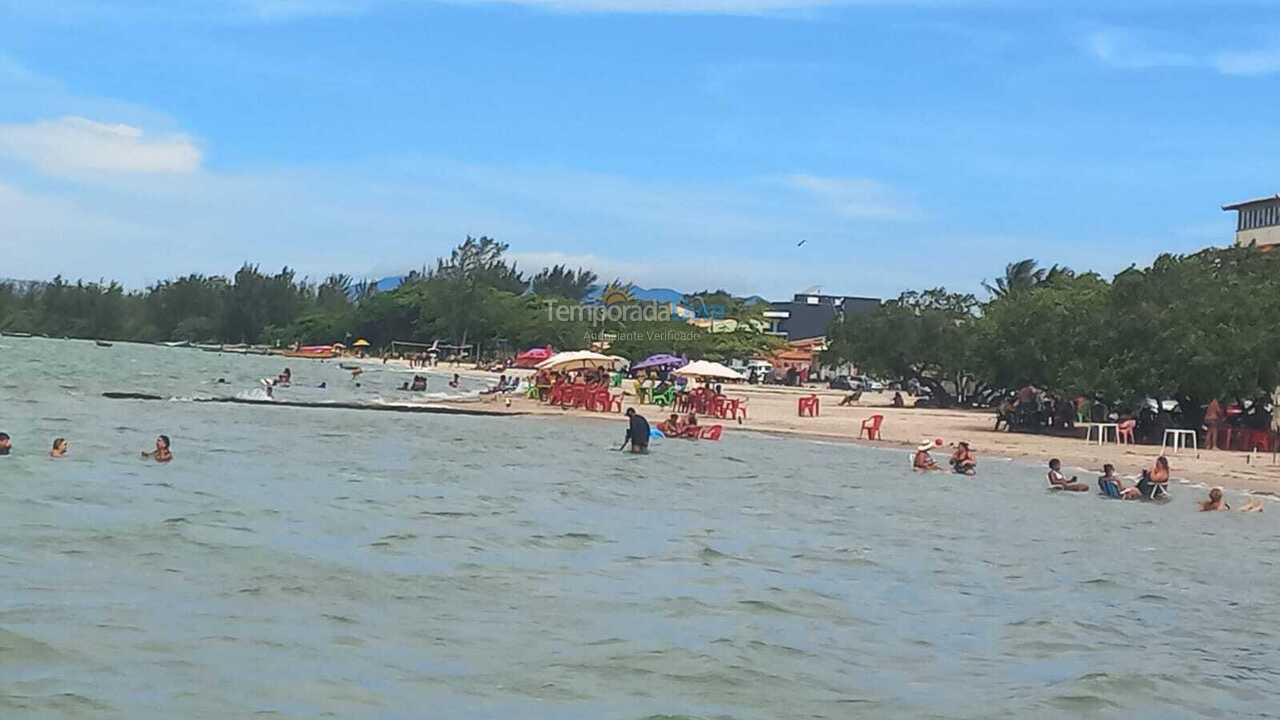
<point x="637" y="432"/>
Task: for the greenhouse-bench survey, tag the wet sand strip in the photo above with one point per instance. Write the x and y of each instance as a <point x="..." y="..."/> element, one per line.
<point x="430" y="409"/>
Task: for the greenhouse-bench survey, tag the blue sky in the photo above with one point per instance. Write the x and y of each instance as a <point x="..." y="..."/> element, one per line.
<point x="687" y="143"/>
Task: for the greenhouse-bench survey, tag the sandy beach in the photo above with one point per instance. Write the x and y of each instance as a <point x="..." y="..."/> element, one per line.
<point x="772" y="409"/>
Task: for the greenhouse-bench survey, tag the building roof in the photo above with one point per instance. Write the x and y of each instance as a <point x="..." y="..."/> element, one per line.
<point x="1245" y="203"/>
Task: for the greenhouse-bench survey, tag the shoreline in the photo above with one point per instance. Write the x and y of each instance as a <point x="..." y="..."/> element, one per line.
<point x="771" y="410"/>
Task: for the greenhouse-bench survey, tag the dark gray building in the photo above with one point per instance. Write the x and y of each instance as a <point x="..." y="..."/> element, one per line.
<point x="809" y="314"/>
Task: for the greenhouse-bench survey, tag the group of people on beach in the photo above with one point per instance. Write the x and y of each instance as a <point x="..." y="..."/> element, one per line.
<point x="61" y="446"/>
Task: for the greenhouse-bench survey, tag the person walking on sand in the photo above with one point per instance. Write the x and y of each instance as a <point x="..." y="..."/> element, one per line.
<point x="1213" y="418"/>
<point x="1058" y="481"/>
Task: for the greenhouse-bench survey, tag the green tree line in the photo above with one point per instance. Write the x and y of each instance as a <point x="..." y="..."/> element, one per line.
<point x="475" y="296"/>
<point x="1188" y="327"/>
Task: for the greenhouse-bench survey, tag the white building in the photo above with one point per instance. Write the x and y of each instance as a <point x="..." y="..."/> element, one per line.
<point x="1257" y="221"/>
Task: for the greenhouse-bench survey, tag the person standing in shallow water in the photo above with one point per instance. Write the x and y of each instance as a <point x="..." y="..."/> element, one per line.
<point x="6" y="445"/>
<point x="637" y="432"/>
<point x="162" y="453"/>
<point x="60" y="448"/>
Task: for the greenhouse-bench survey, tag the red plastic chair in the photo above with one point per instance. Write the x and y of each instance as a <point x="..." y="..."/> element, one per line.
<point x="711" y="432"/>
<point x="1124" y="432"/>
<point x="613" y="403"/>
<point x="807" y="406"/>
<point x="871" y="426"/>
<point x="1260" y="439"/>
<point x="556" y="396"/>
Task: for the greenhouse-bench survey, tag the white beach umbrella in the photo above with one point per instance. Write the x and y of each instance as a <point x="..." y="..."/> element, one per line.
<point x="706" y="369"/>
<point x="579" y="360"/>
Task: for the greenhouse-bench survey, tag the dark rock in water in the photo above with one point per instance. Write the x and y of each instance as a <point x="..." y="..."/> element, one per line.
<point x="130" y="396"/>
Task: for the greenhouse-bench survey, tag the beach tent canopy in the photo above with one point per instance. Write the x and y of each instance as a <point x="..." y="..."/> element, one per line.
<point x="706" y="369"/>
<point x="580" y="360"/>
<point x="531" y="357"/>
<point x="360" y="343"/>
<point x="660" y="361"/>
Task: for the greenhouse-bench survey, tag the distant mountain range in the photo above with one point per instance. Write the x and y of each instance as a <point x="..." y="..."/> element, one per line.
<point x="658" y="295"/>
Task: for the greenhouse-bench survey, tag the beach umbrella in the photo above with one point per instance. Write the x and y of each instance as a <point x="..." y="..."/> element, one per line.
<point x="580" y="360"/>
<point x="706" y="369"/>
<point x="660" y="361"/>
<point x="531" y="357"/>
<point x="360" y="343"/>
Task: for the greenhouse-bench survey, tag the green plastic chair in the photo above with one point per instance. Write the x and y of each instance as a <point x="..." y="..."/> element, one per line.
<point x="665" y="399"/>
<point x="615" y="379"/>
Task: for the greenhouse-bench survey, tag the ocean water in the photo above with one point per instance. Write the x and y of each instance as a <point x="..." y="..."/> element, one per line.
<point x="308" y="563"/>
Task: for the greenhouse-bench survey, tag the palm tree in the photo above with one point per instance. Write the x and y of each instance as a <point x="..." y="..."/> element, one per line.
<point x="1025" y="275"/>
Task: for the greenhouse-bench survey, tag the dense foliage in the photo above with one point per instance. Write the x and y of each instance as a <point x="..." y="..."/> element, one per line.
<point x="1192" y="327"/>
<point x="474" y="297"/>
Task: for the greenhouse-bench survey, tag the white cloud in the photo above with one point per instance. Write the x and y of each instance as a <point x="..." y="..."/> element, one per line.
<point x="1131" y="50"/>
<point x="854" y="198"/>
<point x="1125" y="49"/>
<point x="76" y="146"/>
<point x="1255" y="62"/>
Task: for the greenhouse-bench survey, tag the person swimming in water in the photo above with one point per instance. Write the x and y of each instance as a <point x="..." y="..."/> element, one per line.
<point x="162" y="453"/>
<point x="6" y="445"/>
<point x="637" y="433"/>
<point x="1215" y="503"/>
<point x="456" y="381"/>
<point x="1058" y="481"/>
<point x="1252" y="505"/>
<point x="60" y="448"/>
<point x="285" y="378"/>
